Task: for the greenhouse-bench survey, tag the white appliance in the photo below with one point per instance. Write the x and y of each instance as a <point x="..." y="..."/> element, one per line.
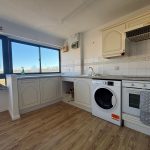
<point x="106" y="100"/>
<point x="131" y="104"/>
<point x="131" y="96"/>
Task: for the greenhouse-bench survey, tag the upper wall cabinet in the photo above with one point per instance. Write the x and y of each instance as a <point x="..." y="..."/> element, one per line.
<point x="138" y="22"/>
<point x="113" y="41"/>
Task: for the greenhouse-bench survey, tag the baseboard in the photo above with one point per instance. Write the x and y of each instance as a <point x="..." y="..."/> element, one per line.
<point x="79" y="105"/>
<point x="135" y="124"/>
<point x="23" y="111"/>
<point x="2" y="110"/>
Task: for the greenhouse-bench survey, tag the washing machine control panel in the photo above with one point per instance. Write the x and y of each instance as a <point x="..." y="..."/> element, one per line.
<point x="107" y="82"/>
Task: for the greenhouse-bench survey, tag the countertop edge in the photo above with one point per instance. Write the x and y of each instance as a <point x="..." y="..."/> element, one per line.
<point x="105" y="77"/>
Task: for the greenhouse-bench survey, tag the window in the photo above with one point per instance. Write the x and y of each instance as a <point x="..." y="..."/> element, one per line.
<point x="25" y="56"/>
<point x="18" y="55"/>
<point x="49" y="60"/>
<point x="1" y="58"/>
<point x="34" y="58"/>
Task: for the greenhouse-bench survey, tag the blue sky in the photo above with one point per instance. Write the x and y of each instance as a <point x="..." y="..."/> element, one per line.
<point x="49" y="57"/>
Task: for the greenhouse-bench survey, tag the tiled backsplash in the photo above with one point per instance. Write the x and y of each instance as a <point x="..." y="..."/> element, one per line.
<point x="136" y="63"/>
<point x="71" y="68"/>
<point x="71" y="60"/>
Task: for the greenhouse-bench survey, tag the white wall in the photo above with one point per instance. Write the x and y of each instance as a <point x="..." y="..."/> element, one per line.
<point x="22" y="32"/>
<point x="92" y="44"/>
<point x="3" y="100"/>
<point x="71" y="60"/>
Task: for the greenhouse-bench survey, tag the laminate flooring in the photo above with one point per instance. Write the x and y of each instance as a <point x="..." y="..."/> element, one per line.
<point x="65" y="127"/>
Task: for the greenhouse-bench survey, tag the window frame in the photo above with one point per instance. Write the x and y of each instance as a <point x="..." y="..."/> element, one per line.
<point x="6" y="53"/>
<point x="39" y="46"/>
<point x="8" y="60"/>
<point x="1" y="74"/>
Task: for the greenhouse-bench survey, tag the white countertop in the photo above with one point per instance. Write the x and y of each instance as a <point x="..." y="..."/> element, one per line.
<point x="100" y="77"/>
<point x="110" y="77"/>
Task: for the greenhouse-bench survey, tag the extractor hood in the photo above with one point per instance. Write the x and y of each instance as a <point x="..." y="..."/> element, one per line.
<point x="139" y="34"/>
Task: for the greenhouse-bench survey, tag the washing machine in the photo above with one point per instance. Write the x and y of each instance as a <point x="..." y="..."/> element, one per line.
<point x="106" y="100"/>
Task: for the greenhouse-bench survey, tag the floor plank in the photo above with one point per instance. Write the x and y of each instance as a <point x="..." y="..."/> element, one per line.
<point x="64" y="127"/>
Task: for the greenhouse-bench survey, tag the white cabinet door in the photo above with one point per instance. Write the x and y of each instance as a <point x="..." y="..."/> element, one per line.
<point x="29" y="93"/>
<point x="138" y="22"/>
<point x="113" y="41"/>
<point x="82" y="91"/>
<point x="50" y="89"/>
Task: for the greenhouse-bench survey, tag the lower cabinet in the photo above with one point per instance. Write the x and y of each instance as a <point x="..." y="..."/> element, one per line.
<point x="82" y="91"/>
<point x="49" y="88"/>
<point x="33" y="92"/>
<point x="28" y="92"/>
<point x="41" y="91"/>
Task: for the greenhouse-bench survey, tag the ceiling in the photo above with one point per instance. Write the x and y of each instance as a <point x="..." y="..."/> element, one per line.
<point x="63" y="18"/>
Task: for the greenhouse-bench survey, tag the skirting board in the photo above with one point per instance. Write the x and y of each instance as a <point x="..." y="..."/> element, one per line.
<point x="84" y="107"/>
<point x="5" y="109"/>
<point x="23" y="111"/>
<point x="135" y="124"/>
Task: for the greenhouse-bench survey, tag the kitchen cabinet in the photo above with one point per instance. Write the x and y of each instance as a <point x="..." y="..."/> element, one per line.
<point x="50" y="89"/>
<point x="28" y="93"/>
<point x="113" y="41"/>
<point x="37" y="91"/>
<point x="138" y="22"/>
<point x="82" y="91"/>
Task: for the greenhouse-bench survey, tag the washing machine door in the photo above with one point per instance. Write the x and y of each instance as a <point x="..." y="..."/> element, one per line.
<point x="105" y="98"/>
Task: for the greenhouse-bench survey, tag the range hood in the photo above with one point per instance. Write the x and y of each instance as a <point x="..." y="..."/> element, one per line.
<point x="139" y="34"/>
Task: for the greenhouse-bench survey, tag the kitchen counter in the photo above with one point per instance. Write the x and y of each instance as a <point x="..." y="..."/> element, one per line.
<point x="98" y="77"/>
<point x="28" y="76"/>
<point x="109" y="77"/>
<point x="117" y="77"/>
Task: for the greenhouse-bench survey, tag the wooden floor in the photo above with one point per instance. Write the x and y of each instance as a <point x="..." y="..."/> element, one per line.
<point x="64" y="127"/>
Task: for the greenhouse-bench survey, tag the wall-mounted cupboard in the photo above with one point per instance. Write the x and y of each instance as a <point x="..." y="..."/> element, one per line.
<point x="114" y="37"/>
<point x="113" y="41"/>
<point x="138" y="22"/>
